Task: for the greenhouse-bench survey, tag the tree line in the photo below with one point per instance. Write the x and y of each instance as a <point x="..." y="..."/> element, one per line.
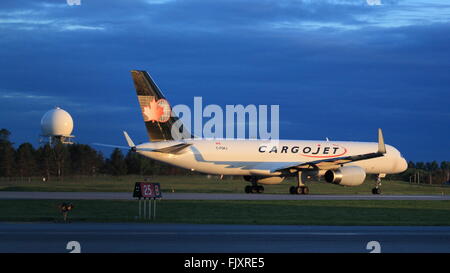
<point x="425" y="173"/>
<point x="61" y="160"/>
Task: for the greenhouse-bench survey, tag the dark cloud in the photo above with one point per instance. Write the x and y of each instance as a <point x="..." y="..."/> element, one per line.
<point x="338" y="69"/>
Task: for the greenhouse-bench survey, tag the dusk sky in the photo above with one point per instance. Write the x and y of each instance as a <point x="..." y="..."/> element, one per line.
<point x="338" y="69"/>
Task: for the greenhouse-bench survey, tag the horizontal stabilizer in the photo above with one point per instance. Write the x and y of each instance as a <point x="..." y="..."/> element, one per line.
<point x="111" y="146"/>
<point x="175" y="149"/>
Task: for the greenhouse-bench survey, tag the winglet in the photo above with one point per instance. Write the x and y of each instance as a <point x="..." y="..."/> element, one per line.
<point x="381" y="145"/>
<point x="129" y="141"/>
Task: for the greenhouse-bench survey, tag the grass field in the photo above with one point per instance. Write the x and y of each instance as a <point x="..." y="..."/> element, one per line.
<point x="198" y="183"/>
<point x="239" y="212"/>
<point x="300" y="212"/>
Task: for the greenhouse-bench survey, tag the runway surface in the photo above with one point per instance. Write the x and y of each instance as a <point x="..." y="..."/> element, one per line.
<point x="208" y="196"/>
<point x="183" y="238"/>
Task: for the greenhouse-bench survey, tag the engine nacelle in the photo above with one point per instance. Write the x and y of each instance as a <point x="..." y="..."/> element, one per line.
<point x="346" y="176"/>
<point x="266" y="180"/>
<point x="312" y="175"/>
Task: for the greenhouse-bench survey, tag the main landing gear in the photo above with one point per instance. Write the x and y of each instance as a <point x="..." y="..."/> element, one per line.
<point x="377" y="189"/>
<point x="301" y="188"/>
<point x="254" y="188"/>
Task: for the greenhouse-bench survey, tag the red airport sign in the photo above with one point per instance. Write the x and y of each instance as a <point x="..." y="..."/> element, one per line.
<point x="147" y="190"/>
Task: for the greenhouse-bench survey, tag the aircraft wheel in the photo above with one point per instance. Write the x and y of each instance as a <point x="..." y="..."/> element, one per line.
<point x="305" y="190"/>
<point x="376" y="191"/>
<point x="292" y="190"/>
<point x="299" y="190"/>
<point x="248" y="189"/>
<point x="260" y="189"/>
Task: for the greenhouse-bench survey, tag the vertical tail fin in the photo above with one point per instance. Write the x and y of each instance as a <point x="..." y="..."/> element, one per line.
<point x="156" y="111"/>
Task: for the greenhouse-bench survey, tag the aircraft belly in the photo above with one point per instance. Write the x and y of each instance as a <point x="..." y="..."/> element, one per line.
<point x="189" y="161"/>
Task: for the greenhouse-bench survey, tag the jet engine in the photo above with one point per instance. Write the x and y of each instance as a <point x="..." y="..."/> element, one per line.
<point x="266" y="180"/>
<point x="346" y="176"/>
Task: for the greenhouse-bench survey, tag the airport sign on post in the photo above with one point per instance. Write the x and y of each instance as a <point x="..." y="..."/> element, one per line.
<point x="147" y="191"/>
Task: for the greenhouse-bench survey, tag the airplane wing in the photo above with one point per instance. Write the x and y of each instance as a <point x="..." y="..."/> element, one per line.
<point x="174" y="149"/>
<point x="327" y="163"/>
<point x="263" y="166"/>
<point x="316" y="164"/>
<point x="330" y="162"/>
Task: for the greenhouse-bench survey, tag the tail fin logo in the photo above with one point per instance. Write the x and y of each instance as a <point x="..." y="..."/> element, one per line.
<point x="153" y="110"/>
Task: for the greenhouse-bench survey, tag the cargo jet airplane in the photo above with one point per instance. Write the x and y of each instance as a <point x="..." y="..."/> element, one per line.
<point x="258" y="161"/>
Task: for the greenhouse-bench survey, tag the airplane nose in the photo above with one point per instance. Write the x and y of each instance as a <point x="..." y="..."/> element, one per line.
<point x="403" y="165"/>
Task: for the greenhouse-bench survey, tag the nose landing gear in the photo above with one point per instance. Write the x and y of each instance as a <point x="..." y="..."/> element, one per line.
<point x="377" y="189"/>
<point x="301" y="188"/>
<point x="254" y="189"/>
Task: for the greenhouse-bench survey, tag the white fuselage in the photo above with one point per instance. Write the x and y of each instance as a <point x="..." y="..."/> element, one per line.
<point x="252" y="157"/>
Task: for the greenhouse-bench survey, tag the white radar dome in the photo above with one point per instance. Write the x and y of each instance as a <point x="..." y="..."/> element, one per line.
<point x="57" y="122"/>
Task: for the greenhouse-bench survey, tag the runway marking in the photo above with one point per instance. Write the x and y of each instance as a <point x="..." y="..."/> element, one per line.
<point x="126" y="233"/>
<point x="174" y="238"/>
